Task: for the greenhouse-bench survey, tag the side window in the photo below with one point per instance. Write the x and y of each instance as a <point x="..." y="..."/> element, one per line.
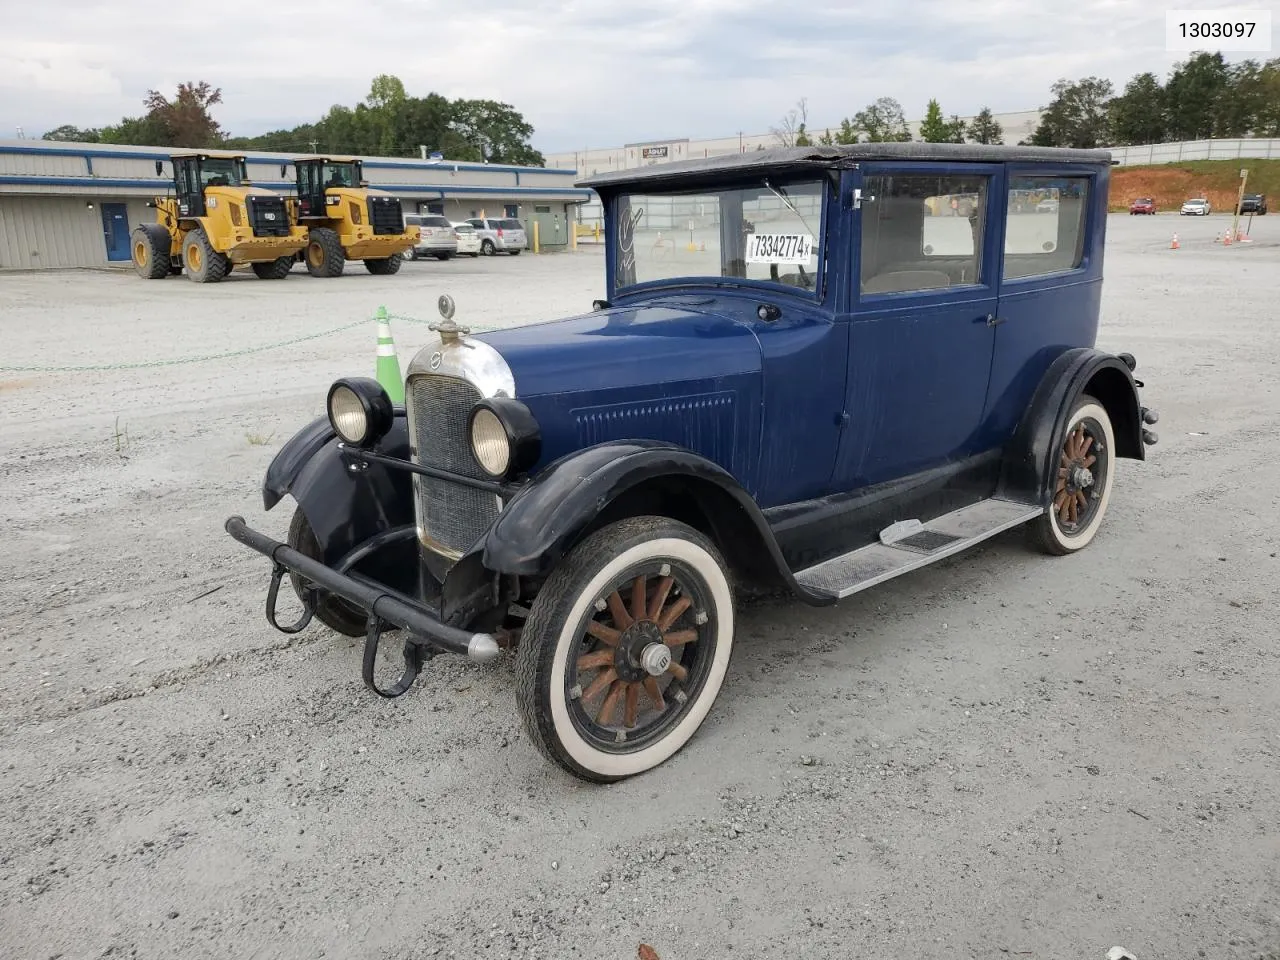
<point x="1045" y="229"/>
<point x="512" y="210"/>
<point x="922" y="232"/>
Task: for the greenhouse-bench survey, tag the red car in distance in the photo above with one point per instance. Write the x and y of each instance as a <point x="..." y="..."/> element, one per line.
<point x="1142" y="205"/>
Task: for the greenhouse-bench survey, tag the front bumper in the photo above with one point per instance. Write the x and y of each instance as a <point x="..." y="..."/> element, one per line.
<point x="251" y="249"/>
<point x="383" y="605"/>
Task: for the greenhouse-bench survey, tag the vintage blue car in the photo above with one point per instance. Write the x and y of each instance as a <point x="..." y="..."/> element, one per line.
<point x="816" y="369"/>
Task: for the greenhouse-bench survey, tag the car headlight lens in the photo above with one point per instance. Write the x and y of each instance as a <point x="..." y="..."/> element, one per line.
<point x="360" y="411"/>
<point x="489" y="442"/>
<point x="347" y="415"/>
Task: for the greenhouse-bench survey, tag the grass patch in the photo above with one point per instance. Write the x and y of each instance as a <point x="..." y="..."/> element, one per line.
<point x="1169" y="184"/>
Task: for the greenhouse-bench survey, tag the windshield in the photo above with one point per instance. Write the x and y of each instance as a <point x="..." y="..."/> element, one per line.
<point x="770" y="232"/>
<point x="340" y="175"/>
<point x="221" y="172"/>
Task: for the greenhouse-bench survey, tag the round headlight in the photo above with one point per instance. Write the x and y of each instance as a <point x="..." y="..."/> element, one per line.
<point x="347" y="414"/>
<point x="489" y="442"/>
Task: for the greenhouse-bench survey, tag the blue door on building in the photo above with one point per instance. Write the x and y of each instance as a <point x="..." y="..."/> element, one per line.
<point x="115" y="230"/>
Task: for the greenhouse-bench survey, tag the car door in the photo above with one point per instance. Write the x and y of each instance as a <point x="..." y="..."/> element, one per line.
<point x="922" y="305"/>
<point x="1050" y="286"/>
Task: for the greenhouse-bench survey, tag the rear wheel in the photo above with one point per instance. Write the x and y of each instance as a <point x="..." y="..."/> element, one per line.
<point x="411" y="254"/>
<point x="276" y="269"/>
<point x="384" y="266"/>
<point x="1082" y="481"/>
<point x="444" y="255"/>
<point x="333" y="612"/>
<point x="514" y="253"/>
<point x="625" y="648"/>
<point x="203" y="264"/>
<point x="324" y="255"/>
<point x="151" y="251"/>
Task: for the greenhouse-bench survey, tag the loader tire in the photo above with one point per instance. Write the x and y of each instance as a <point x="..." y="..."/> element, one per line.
<point x="324" y="255"/>
<point x="203" y="263"/>
<point x="384" y="267"/>
<point x="276" y="269"/>
<point x="151" y="251"/>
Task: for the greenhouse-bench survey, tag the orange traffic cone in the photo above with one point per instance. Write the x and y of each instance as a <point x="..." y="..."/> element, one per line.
<point x="1174" y="245"/>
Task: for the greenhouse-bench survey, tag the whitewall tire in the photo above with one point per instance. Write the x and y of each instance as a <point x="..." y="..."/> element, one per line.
<point x="1081" y="481"/>
<point x="625" y="648"/>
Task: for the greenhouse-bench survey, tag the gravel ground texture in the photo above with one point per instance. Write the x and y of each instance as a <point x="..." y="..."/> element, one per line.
<point x="1004" y="755"/>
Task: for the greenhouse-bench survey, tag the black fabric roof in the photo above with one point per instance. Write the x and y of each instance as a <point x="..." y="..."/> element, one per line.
<point x="789" y="159"/>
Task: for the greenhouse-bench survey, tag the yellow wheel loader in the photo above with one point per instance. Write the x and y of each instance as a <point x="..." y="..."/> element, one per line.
<point x="214" y="221"/>
<point x="345" y="220"/>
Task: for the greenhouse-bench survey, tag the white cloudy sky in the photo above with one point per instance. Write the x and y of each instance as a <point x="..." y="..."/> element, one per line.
<point x="597" y="73"/>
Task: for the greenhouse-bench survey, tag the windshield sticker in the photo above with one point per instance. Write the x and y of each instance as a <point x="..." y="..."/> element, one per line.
<point x="779" y="248"/>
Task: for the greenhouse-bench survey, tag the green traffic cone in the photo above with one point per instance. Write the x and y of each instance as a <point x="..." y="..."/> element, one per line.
<point x="388" y="369"/>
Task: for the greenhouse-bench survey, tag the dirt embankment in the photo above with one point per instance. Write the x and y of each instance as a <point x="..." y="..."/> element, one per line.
<point x="1171" y="184"/>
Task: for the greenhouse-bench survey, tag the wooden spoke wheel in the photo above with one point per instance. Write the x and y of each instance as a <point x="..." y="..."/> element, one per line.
<point x="625" y="648"/>
<point x="1082" y="480"/>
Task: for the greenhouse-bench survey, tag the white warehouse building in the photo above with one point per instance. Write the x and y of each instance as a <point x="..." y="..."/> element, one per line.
<point x="75" y="204"/>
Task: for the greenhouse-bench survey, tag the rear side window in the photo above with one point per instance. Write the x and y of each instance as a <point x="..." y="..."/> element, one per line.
<point x="922" y="232"/>
<point x="511" y="224"/>
<point x="435" y="222"/>
<point x="465" y="228"/>
<point x="1044" y="232"/>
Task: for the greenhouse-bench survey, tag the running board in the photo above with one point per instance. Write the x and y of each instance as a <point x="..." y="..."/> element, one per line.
<point x="909" y="545"/>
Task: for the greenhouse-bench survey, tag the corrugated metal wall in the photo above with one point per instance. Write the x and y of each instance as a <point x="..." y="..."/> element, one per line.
<point x="59" y="231"/>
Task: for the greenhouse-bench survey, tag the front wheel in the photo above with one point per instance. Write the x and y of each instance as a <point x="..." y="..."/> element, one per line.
<point x="625" y="648"/>
<point x="276" y="269"/>
<point x="1082" y="481"/>
<point x="333" y="612"/>
<point x="384" y="266"/>
<point x="487" y="248"/>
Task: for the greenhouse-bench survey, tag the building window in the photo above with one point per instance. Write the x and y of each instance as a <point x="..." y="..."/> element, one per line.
<point x="512" y="210"/>
<point x="436" y="208"/>
<point x="541" y="208"/>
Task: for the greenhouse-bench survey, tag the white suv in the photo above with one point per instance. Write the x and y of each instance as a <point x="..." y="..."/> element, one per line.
<point x="499" y="236"/>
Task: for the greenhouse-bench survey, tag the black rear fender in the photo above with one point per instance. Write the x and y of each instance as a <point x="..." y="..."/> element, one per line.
<point x="1032" y="452"/>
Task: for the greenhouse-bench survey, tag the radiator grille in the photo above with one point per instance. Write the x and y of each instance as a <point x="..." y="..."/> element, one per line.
<point x="451" y="517"/>
<point x="267" y="216"/>
<point x="385" y="215"/>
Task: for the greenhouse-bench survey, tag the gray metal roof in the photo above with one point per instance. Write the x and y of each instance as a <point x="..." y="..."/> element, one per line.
<point x="801" y="158"/>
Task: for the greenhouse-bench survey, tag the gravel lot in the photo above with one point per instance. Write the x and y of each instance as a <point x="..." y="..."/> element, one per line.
<point x="1005" y="755"/>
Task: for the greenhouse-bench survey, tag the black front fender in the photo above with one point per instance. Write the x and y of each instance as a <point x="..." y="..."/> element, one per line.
<point x="344" y="507"/>
<point x="1031" y="453"/>
<point x="554" y="510"/>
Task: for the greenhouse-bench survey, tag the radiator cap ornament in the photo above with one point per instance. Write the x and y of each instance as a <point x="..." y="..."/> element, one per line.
<point x="449" y="331"/>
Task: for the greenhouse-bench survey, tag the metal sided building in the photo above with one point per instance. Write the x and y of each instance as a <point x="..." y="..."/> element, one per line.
<point x="75" y="204"/>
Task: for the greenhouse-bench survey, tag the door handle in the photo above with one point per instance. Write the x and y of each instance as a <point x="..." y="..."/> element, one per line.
<point x="993" y="321"/>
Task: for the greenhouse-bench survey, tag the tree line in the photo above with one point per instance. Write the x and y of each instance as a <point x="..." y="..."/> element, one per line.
<point x="388" y="123"/>
<point x="1203" y="98"/>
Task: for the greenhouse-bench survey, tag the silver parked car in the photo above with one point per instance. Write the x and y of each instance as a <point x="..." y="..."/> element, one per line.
<point x="1196" y="208"/>
<point x="438" y="238"/>
<point x="504" y="235"/>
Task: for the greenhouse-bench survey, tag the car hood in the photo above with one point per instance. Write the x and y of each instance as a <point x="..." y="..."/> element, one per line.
<point x="625" y="347"/>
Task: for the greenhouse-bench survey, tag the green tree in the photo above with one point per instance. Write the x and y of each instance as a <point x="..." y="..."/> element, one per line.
<point x="1267" y="121"/>
<point x="1195" y="91"/>
<point x="955" y="129"/>
<point x="934" y="129"/>
<point x="71" y="134"/>
<point x="847" y="133"/>
<point x="826" y="139"/>
<point x="1077" y="115"/>
<point x="984" y="129"/>
<point x="1138" y="114"/>
<point x="145" y="131"/>
<point x="882" y="121"/>
<point x="499" y="131"/>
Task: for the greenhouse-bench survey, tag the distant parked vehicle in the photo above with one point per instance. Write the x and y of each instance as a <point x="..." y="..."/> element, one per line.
<point x="438" y="237"/>
<point x="1198" y="207"/>
<point x="1048" y="205"/>
<point x="499" y="236"/>
<point x="468" y="239"/>
<point x="1142" y="205"/>
<point x="1254" y="203"/>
